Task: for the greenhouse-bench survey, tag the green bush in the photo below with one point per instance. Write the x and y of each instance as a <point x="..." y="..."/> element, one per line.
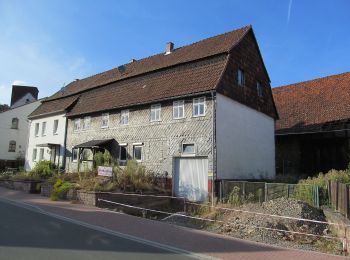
<point x="234" y="197"/>
<point x="99" y="159"/>
<point x="43" y="169"/>
<point x="60" y="189"/>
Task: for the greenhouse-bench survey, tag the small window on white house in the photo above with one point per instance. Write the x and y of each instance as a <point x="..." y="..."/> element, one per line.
<point x="12" y="146"/>
<point x="124" y="117"/>
<point x="36" y="129"/>
<point x="55" y="127"/>
<point x="77" y="124"/>
<point x="155" y="112"/>
<point x="87" y="122"/>
<point x="188" y="149"/>
<point x="43" y="129"/>
<point x="259" y="89"/>
<point x="14" y="123"/>
<point x="178" y="109"/>
<point x="104" y="120"/>
<point x="74" y="154"/>
<point x="41" y="155"/>
<point x="199" y="106"/>
<point x="35" y="151"/>
<point x="138" y="153"/>
<point x="240" y="77"/>
<point x="122" y="153"/>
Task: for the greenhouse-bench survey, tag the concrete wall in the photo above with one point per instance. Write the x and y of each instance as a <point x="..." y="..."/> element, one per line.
<point x="50" y="137"/>
<point x="19" y="135"/>
<point x="162" y="140"/>
<point x="245" y="141"/>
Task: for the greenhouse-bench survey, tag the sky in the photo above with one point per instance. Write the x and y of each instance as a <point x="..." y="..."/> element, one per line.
<point x="49" y="43"/>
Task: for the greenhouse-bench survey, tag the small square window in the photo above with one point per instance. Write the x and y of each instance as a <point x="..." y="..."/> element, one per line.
<point x="199" y="107"/>
<point x="87" y="122"/>
<point x="155" y="113"/>
<point x="55" y="127"/>
<point x="240" y="77"/>
<point x="12" y="146"/>
<point x="104" y="120"/>
<point x="14" y="123"/>
<point x="77" y="124"/>
<point x="138" y="153"/>
<point x="188" y="149"/>
<point x="124" y="117"/>
<point x="178" y="109"/>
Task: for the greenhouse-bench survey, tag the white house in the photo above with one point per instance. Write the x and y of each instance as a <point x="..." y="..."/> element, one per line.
<point x="14" y="128"/>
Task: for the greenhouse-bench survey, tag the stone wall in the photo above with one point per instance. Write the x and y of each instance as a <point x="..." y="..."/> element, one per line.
<point x="161" y="140"/>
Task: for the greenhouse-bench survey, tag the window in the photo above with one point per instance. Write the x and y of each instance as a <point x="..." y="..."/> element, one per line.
<point x="178" y="109"/>
<point x="74" y="154"/>
<point x="12" y="146"/>
<point x="41" y="155"/>
<point x="122" y="153"/>
<point x="155" y="112"/>
<point x="124" y="117"/>
<point x="199" y="106"/>
<point x="138" y="153"/>
<point x="34" y="154"/>
<point x="87" y="122"/>
<point x="14" y="124"/>
<point x="43" y="129"/>
<point x="76" y="124"/>
<point x="36" y="129"/>
<point x="87" y="155"/>
<point x="259" y="89"/>
<point x="240" y="77"/>
<point x="188" y="149"/>
<point x="104" y="120"/>
<point x="55" y="127"/>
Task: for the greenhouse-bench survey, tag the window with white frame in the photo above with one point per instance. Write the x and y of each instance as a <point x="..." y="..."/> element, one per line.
<point x="137" y="153"/>
<point x="41" y="154"/>
<point x="178" y="109"/>
<point x="14" y="123"/>
<point x="240" y="77"/>
<point x="124" y="117"/>
<point x="104" y="120"/>
<point x="188" y="148"/>
<point x="259" y="89"/>
<point x="12" y="146"/>
<point x="43" y="129"/>
<point x="123" y="155"/>
<point x="35" y="151"/>
<point x="36" y="129"/>
<point x="155" y="112"/>
<point x="87" y="122"/>
<point x="199" y="106"/>
<point x="75" y="154"/>
<point x="55" y="127"/>
<point x="77" y="124"/>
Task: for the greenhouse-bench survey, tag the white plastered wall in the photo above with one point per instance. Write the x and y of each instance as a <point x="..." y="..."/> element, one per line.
<point x="245" y="141"/>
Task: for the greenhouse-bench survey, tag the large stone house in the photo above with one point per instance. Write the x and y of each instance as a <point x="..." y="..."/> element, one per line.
<point x="14" y="126"/>
<point x="197" y="113"/>
<point x="312" y="134"/>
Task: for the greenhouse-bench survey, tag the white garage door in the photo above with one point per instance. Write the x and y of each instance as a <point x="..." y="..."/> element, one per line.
<point x="191" y="178"/>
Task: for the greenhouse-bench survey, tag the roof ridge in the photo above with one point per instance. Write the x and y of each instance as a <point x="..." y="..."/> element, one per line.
<point x="310" y="80"/>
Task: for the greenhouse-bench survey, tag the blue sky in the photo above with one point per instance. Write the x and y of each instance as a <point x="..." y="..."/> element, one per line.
<point x="50" y="43"/>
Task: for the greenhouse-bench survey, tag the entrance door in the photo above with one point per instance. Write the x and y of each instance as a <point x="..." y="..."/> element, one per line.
<point x="191" y="178"/>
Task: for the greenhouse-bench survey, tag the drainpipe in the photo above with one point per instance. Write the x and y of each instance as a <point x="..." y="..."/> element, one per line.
<point x="64" y="144"/>
<point x="213" y="147"/>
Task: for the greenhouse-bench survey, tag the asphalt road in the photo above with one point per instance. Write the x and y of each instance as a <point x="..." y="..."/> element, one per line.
<point x="28" y="234"/>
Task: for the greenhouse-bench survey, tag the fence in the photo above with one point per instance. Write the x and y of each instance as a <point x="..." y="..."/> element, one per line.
<point x="339" y="197"/>
<point x="263" y="191"/>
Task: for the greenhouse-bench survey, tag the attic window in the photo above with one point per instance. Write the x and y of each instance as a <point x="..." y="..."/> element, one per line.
<point x="14" y="124"/>
<point x="240" y="77"/>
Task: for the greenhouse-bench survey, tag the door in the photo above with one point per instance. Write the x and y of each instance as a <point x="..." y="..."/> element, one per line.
<point x="191" y="178"/>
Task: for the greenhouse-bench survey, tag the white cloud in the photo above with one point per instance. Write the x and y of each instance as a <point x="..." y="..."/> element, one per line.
<point x="289" y="10"/>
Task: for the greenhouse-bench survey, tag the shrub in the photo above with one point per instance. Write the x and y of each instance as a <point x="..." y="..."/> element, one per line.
<point x="43" y="169"/>
<point x="234" y="197"/>
<point x="60" y="189"/>
<point x="99" y="159"/>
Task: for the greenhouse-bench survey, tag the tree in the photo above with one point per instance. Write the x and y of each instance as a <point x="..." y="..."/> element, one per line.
<point x="4" y="107"/>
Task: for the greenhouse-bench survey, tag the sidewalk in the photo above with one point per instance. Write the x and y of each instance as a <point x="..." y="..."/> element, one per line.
<point x="195" y="241"/>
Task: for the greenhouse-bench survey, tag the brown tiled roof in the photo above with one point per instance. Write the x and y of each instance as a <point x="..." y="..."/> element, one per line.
<point x="54" y="106"/>
<point x="174" y="82"/>
<point x="199" y="50"/>
<point x="309" y="105"/>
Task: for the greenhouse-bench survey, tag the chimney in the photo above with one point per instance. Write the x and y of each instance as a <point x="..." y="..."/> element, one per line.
<point x="169" y="48"/>
<point x="132" y="60"/>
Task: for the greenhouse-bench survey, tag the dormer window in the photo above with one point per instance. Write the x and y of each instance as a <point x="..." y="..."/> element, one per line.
<point x="240" y="77"/>
<point x="14" y="124"/>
